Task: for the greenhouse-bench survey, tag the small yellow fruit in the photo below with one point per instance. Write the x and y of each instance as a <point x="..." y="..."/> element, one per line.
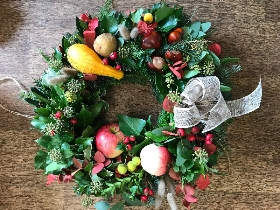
<point x="130" y="166"/>
<point x="148" y="18"/>
<point x="122" y="169"/>
<point x="136" y="161"/>
<point x="105" y="44"/>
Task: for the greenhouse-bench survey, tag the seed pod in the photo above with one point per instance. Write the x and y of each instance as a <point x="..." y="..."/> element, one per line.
<point x="134" y="33"/>
<point x="159" y="62"/>
<point x="175" y="36"/>
<point x="173" y="55"/>
<point x="124" y="32"/>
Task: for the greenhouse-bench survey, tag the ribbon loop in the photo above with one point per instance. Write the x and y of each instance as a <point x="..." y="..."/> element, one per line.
<point x="202" y="101"/>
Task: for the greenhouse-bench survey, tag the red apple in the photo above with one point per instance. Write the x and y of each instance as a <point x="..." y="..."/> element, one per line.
<point x="107" y="138"/>
<point x="155" y="159"/>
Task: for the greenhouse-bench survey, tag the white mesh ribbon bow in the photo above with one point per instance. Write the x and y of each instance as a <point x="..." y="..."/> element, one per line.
<point x="202" y="101"/>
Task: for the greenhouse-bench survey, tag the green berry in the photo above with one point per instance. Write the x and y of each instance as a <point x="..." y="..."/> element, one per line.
<point x="136" y="161"/>
<point x="122" y="169"/>
<point x="130" y="166"/>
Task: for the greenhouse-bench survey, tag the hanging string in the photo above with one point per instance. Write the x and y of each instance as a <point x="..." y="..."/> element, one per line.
<point x="21" y="88"/>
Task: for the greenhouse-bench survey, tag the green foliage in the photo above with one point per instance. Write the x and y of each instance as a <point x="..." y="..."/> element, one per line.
<point x="131" y="126"/>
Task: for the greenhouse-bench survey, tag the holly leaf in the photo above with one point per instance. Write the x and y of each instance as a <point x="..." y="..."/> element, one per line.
<point x="84" y="141"/>
<point x="87" y="152"/>
<point x="155" y="137"/>
<point x="85" y="118"/>
<point x="97" y="167"/>
<point x="203" y="181"/>
<point x="118" y="206"/>
<point x="44" y="141"/>
<point x="112" y="24"/>
<point x="138" y="147"/>
<point x="88" y="132"/>
<point x="180" y="160"/>
<point x="102" y="205"/>
<point x="131" y="202"/>
<point x="96" y="108"/>
<point x="163" y="12"/>
<point x="167" y="25"/>
<point x="131" y="126"/>
<point x="45" y="112"/>
<point x="66" y="150"/>
<point x="41" y="122"/>
<point x="40" y="159"/>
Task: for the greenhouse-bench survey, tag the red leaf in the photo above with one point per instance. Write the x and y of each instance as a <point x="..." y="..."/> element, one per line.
<point x="178" y="189"/>
<point x="174" y="175"/>
<point x="97" y="168"/>
<point x="67" y="178"/>
<point x="168" y="105"/>
<point x="188" y="190"/>
<point x="203" y="182"/>
<point x="190" y="198"/>
<point x="99" y="157"/>
<point x="60" y="178"/>
<point x="51" y="178"/>
<point x="84" y="17"/>
<point x="210" y="148"/>
<point x="187" y="204"/>
<point x="77" y="163"/>
<point x="93" y="24"/>
<point x="85" y="163"/>
<point x="144" y="27"/>
<point x="107" y="162"/>
<point x="89" y="37"/>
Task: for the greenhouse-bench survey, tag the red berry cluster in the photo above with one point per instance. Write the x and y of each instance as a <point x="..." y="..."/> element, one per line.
<point x="146" y="193"/>
<point x="129" y="140"/>
<point x="194" y="135"/>
<point x="113" y="56"/>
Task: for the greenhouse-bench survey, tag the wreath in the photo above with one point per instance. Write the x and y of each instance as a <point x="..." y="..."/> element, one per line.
<point x="133" y="158"/>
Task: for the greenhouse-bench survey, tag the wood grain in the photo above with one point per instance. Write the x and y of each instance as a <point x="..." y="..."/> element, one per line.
<point x="248" y="29"/>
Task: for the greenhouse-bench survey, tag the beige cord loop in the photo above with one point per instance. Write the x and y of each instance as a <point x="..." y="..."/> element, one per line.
<point x="22" y="88"/>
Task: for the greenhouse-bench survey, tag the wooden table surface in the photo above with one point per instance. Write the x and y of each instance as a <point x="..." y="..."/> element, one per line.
<point x="248" y="29"/>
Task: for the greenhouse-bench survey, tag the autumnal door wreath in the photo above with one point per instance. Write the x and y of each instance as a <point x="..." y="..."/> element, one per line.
<point x="133" y="158"/>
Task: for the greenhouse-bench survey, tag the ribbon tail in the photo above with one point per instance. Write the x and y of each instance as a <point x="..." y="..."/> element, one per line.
<point x="246" y="104"/>
<point x="186" y="117"/>
<point x="217" y="115"/>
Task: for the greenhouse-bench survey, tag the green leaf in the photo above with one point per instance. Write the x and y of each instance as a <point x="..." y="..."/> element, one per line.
<point x="40" y="159"/>
<point x="96" y="108"/>
<point x="65" y="43"/>
<point x="54" y="166"/>
<point x="180" y="160"/>
<point x="41" y="122"/>
<point x="66" y="150"/>
<point x="138" y="147"/>
<point x="120" y="41"/>
<point x="161" y="86"/>
<point x="205" y="26"/>
<point x="169" y="24"/>
<point x="163" y="12"/>
<point x="84" y="141"/>
<point x="39" y="95"/>
<point x="85" y="118"/>
<point x="136" y="17"/>
<point x="131" y="126"/>
<point x="118" y="206"/>
<point x="187" y="31"/>
<point x="102" y="205"/>
<point x="88" y="132"/>
<point x="45" y="112"/>
<point x="134" y="202"/>
<point x="190" y="73"/>
<point x="155" y="137"/>
<point x="44" y="141"/>
<point x="112" y="24"/>
<point x="225" y="88"/>
<point x="216" y="60"/>
<point x="59" y="139"/>
<point x="87" y="152"/>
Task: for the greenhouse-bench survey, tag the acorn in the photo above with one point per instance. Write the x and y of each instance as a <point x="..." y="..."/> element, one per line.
<point x="175" y="35"/>
<point x="173" y="55"/>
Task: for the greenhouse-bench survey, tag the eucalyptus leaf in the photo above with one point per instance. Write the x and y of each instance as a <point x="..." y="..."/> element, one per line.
<point x="54" y="166"/>
<point x="205" y="26"/>
<point x="131" y="126"/>
<point x="195" y="29"/>
<point x="136" y="17"/>
<point x="102" y="205"/>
